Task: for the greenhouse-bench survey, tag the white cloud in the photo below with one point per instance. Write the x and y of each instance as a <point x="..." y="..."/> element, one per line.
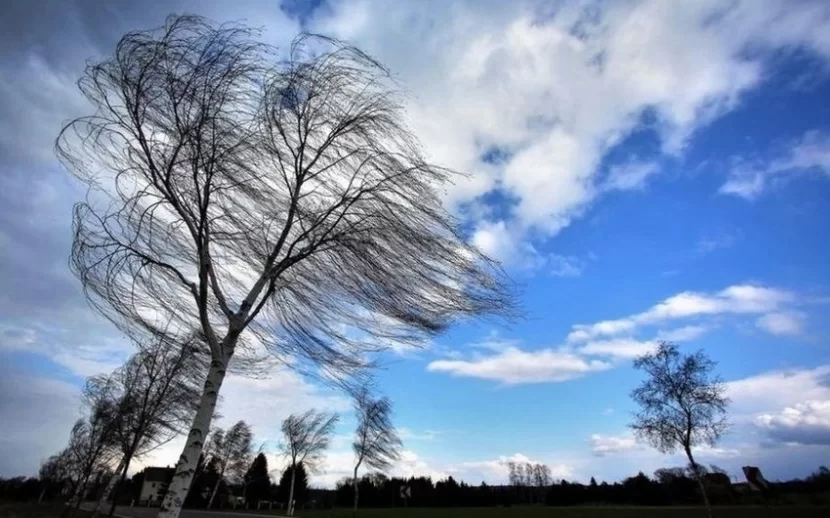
<point x="782" y="323"/>
<point x="629" y="176"/>
<point x="603" y="445"/>
<point x="508" y="244"/>
<point x="618" y="348"/>
<point x="682" y="334"/>
<point x="738" y="299"/>
<point x="803" y="423"/>
<point x="496" y="471"/>
<point x="750" y="178"/>
<point x="513" y="366"/>
<point x="555" y="89"/>
<point x="775" y="390"/>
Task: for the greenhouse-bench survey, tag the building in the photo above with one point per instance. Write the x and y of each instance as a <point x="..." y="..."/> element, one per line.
<point x="155" y="484"/>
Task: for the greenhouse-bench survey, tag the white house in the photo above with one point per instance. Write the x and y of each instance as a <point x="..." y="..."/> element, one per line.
<point x="155" y="484"/>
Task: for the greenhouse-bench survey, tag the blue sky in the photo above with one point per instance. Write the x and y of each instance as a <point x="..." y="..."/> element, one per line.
<point x="643" y="170"/>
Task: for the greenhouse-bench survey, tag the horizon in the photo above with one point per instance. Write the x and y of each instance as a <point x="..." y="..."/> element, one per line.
<point x="641" y="173"/>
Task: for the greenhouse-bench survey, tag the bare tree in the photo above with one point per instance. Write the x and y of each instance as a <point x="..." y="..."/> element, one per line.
<point x="274" y="206"/>
<point x="55" y="471"/>
<point x="682" y="404"/>
<point x="156" y="391"/>
<point x="376" y="444"/>
<point x="92" y="441"/>
<point x="306" y="437"/>
<point x="232" y="451"/>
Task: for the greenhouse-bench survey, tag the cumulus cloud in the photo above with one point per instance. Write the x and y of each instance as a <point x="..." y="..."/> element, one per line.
<point x="788" y="406"/>
<point x="782" y="323"/>
<point x="749" y="179"/>
<point x="738" y="299"/>
<point x="682" y="334"/>
<point x="618" y="347"/>
<point x="629" y="176"/>
<point x="803" y="423"/>
<point x="555" y="89"/>
<point x="513" y="366"/>
<point x="603" y="445"/>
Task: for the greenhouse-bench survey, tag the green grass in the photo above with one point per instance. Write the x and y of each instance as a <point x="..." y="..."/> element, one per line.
<point x="577" y="512"/>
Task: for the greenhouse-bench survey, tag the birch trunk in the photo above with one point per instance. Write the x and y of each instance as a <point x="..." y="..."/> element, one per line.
<point x="354" y="485"/>
<point x="110" y="486"/>
<point x="216" y="486"/>
<point x="291" y="492"/>
<point x="699" y="482"/>
<point x="173" y="501"/>
<point x="120" y="485"/>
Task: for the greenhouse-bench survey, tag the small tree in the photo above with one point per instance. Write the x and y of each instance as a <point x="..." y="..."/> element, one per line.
<point x="232" y="451"/>
<point x="376" y="444"/>
<point x="682" y="404"/>
<point x="306" y="439"/>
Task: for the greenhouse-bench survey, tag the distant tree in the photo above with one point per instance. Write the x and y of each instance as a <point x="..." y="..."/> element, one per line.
<point x="92" y="445"/>
<point x="376" y="443"/>
<point x="306" y="438"/>
<point x="293" y="485"/>
<point x="682" y="404"/>
<point x="232" y="451"/>
<point x="55" y="472"/>
<point x="155" y="393"/>
<point x="257" y="481"/>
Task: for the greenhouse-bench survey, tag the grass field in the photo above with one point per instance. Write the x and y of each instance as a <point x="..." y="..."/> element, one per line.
<point x="578" y="512"/>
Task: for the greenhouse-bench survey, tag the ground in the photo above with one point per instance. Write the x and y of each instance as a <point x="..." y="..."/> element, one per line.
<point x="51" y="511"/>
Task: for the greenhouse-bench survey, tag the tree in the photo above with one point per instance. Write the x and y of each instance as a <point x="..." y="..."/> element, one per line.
<point x="232" y="451"/>
<point x="257" y="482"/>
<point x="155" y="391"/>
<point x="376" y="442"/>
<point x="55" y="471"/>
<point x="270" y="205"/>
<point x="682" y="404"/>
<point x="306" y="438"/>
<point x="92" y="440"/>
<point x="293" y="485"/>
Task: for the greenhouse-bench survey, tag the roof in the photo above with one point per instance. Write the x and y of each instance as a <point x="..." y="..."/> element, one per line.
<point x="158" y="474"/>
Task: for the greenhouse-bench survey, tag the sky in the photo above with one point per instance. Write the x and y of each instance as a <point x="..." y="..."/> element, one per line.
<point x="643" y="170"/>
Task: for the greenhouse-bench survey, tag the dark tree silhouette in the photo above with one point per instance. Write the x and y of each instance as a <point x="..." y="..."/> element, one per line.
<point x="306" y="438"/>
<point x="232" y="452"/>
<point x="682" y="404"/>
<point x="257" y="482"/>
<point x="293" y="485"/>
<point x="276" y="206"/>
<point x="376" y="443"/>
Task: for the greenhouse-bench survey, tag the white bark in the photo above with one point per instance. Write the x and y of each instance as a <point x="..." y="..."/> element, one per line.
<point x="186" y="467"/>
<point x="291" y="492"/>
<point x="216" y="486"/>
<point x="110" y="486"/>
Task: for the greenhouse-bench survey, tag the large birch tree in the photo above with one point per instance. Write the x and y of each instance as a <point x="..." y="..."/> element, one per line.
<point x="273" y="205"/>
